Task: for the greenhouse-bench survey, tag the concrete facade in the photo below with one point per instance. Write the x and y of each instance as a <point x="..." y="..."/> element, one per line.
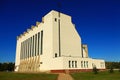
<point x="53" y="45"/>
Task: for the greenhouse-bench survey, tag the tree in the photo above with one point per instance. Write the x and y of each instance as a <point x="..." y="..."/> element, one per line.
<point x="95" y="70"/>
<point x="111" y="70"/>
<point x="7" y="66"/>
<point x="119" y="66"/>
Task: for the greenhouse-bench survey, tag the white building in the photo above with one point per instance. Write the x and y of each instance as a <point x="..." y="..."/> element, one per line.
<point x="53" y="45"/>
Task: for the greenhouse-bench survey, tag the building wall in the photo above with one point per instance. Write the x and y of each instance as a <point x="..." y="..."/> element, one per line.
<point x="60" y="49"/>
<point x="17" y="61"/>
<point x="76" y="64"/>
<point x="70" y="40"/>
<point x="66" y="41"/>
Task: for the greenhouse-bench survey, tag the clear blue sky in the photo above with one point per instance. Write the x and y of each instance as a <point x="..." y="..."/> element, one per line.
<point x="97" y="22"/>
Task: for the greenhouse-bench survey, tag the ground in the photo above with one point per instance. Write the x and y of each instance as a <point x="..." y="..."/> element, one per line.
<point x="27" y="76"/>
<point x="100" y="76"/>
<point x="61" y="76"/>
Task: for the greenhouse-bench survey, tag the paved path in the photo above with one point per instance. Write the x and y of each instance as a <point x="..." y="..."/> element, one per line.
<point x="63" y="76"/>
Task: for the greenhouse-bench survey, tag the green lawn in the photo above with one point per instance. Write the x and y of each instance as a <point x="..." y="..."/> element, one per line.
<point x="100" y="76"/>
<point x="27" y="76"/>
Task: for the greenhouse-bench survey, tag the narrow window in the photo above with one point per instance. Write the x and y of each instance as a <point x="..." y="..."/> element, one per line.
<point x="33" y="47"/>
<point x="75" y="64"/>
<point x="59" y="37"/>
<point x="30" y="45"/>
<point x="41" y="42"/>
<point x="84" y="64"/>
<point x="21" y="52"/>
<point x="92" y="64"/>
<point x="69" y="64"/>
<point x="55" y="54"/>
<point x="38" y="41"/>
<point x="81" y="64"/>
<point x="28" y="48"/>
<point x="82" y="51"/>
<point x="87" y="64"/>
<point x="55" y="19"/>
<point x="25" y="48"/>
<point x="35" y="43"/>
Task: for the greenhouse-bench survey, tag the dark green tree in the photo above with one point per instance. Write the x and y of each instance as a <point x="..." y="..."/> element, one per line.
<point x="95" y="70"/>
<point x="119" y="66"/>
<point x="111" y="69"/>
<point x="7" y="66"/>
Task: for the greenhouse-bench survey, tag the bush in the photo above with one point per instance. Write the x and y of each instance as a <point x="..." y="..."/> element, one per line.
<point x="111" y="70"/>
<point x="119" y="70"/>
<point x="95" y="70"/>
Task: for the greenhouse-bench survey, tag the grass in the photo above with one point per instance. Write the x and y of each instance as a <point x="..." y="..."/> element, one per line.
<point x="100" y="76"/>
<point x="27" y="76"/>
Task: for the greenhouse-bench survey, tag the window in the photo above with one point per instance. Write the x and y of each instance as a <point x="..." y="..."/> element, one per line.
<point x="21" y="51"/>
<point x="38" y="41"/>
<point x="81" y="64"/>
<point x="102" y="64"/>
<point x="41" y="42"/>
<point x="75" y="64"/>
<point x="69" y="64"/>
<point x="84" y="64"/>
<point x="87" y="64"/>
<point x="25" y="49"/>
<point x="35" y="43"/>
<point x="55" y="54"/>
<point x="28" y="47"/>
<point x="33" y="46"/>
<point x="93" y="65"/>
<point x="55" y="19"/>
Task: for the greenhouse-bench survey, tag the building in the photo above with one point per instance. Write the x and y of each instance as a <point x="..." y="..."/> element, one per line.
<point x="53" y="45"/>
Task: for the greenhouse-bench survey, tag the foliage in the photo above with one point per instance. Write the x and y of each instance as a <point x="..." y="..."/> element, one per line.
<point x="111" y="70"/>
<point x="119" y="70"/>
<point x="7" y="66"/>
<point x="115" y="65"/>
<point x="101" y="76"/>
<point x="95" y="70"/>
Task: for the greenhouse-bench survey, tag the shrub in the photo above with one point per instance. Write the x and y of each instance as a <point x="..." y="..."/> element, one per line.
<point x="111" y="70"/>
<point x="95" y="70"/>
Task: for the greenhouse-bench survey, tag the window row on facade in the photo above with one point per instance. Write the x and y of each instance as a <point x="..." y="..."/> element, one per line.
<point x="102" y="64"/>
<point x="73" y="64"/>
<point x="32" y="46"/>
<point x="84" y="64"/>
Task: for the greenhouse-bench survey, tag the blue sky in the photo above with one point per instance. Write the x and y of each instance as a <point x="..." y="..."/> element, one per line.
<point x="97" y="22"/>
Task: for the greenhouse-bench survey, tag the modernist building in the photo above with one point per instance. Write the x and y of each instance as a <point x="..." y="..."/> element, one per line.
<point x="53" y="45"/>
